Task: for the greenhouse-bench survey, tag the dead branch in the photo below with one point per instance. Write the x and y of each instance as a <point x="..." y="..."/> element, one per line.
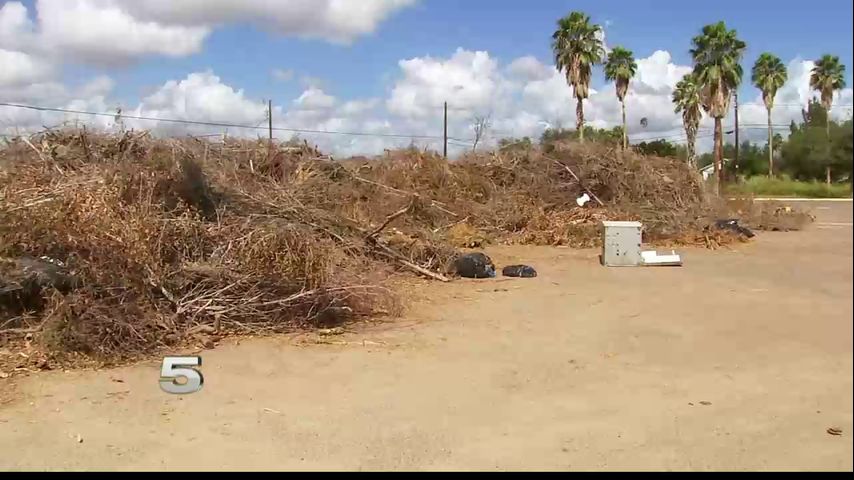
<point x="41" y="155"/>
<point x="392" y="217"/>
<point x="433" y="203"/>
<point x="388" y="252"/>
<point x="580" y="182"/>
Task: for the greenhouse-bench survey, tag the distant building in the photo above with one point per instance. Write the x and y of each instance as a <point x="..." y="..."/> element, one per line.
<point x="709" y="169"/>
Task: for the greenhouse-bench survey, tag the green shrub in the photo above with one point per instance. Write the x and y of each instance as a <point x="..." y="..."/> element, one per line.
<point x="786" y="187"/>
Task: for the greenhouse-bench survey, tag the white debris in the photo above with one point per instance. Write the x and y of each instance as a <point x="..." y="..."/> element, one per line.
<point x="651" y="257"/>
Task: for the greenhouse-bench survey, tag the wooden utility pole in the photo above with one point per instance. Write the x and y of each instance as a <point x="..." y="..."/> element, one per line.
<point x="737" y="145"/>
<point x="270" y="119"/>
<point x="269" y="137"/>
<point x="445" y="150"/>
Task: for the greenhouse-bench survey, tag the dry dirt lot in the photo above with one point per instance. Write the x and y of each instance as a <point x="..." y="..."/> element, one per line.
<point x="740" y="360"/>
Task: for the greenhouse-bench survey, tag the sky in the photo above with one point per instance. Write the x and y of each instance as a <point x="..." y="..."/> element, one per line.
<point x="383" y="68"/>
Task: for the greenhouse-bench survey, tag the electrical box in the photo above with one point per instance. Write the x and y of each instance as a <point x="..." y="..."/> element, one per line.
<point x="621" y="244"/>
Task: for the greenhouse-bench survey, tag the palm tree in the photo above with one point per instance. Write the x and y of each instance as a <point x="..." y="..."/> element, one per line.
<point x="577" y="46"/>
<point x="620" y="68"/>
<point x="828" y="75"/>
<point x="716" y="54"/>
<point x="688" y="101"/>
<point x="769" y="74"/>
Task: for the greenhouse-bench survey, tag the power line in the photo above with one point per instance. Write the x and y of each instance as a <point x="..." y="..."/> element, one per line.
<point x="228" y="125"/>
<point x="759" y="104"/>
<point x="706" y="132"/>
<point x="459" y="142"/>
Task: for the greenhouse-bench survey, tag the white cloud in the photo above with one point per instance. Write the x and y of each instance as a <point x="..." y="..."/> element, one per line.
<point x="657" y="74"/>
<point x="529" y="68"/>
<point x="15" y="26"/>
<point x="282" y="75"/>
<point x="314" y="99"/>
<point x="524" y="97"/>
<point x="199" y="97"/>
<point x="552" y="100"/>
<point x="358" y="107"/>
<point x="467" y="80"/>
<point x="309" y="81"/>
<point x="89" y="97"/>
<point x="99" y="86"/>
<point x="101" y="32"/>
<point x="20" y="69"/>
<point x="601" y="36"/>
<point x="109" y="32"/>
<point x="789" y="103"/>
<point x="334" y="20"/>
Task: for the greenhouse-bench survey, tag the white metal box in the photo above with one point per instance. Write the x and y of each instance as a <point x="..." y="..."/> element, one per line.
<point x="621" y="244"/>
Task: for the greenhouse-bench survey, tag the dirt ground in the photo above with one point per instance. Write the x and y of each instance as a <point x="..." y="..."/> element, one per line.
<point x="740" y="360"/>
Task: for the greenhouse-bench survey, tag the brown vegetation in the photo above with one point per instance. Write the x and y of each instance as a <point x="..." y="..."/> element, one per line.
<point x="770" y="215"/>
<point x="166" y="240"/>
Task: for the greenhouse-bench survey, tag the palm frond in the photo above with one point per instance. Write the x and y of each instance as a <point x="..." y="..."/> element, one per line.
<point x="577" y="46"/>
<point x="716" y="54"/>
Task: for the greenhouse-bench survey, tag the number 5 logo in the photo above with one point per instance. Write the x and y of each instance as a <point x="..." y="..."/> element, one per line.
<point x="170" y="373"/>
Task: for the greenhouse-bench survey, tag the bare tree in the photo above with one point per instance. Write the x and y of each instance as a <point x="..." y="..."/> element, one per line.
<point x="480" y="124"/>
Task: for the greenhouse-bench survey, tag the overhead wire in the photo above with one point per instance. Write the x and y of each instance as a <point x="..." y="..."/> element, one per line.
<point x="226" y="124"/>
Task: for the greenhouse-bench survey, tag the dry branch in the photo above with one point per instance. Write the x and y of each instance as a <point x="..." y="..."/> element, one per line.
<point x="391" y="218"/>
<point x="580" y="183"/>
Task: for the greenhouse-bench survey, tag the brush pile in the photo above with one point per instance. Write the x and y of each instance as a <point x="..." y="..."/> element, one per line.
<point x="770" y="215"/>
<point x="116" y="246"/>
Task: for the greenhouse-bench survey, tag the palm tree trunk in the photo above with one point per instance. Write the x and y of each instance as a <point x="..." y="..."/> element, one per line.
<point x="719" y="151"/>
<point x="827" y="149"/>
<point x="770" y="147"/>
<point x="579" y="118"/>
<point x="691" y="139"/>
<point x="625" y="133"/>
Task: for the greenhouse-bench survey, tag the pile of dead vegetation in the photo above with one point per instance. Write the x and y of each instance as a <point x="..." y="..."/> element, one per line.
<point x="771" y="216"/>
<point x="528" y="196"/>
<point x="114" y="246"/>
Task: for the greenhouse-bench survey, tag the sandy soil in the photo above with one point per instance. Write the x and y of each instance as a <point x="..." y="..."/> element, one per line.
<point x="740" y="360"/>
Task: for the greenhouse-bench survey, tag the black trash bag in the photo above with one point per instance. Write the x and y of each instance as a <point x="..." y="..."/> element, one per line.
<point x="23" y="281"/>
<point x="732" y="225"/>
<point x="475" y="265"/>
<point x="520" y="271"/>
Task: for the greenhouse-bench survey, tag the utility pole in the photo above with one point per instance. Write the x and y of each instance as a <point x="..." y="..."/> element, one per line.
<point x="737" y="146"/>
<point x="270" y="136"/>
<point x="270" y="119"/>
<point x="445" y="150"/>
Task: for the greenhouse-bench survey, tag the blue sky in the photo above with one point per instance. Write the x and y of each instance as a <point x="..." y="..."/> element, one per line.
<point x="243" y="55"/>
<point x="383" y="65"/>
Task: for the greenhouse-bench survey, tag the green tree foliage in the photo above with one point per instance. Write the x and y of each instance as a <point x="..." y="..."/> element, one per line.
<point x="716" y="54"/>
<point x="815" y="115"/>
<point x="660" y="148"/>
<point x="827" y="76"/>
<point x="512" y="144"/>
<point x="613" y="136"/>
<point x="620" y="68"/>
<point x="769" y="74"/>
<point x="815" y="146"/>
<point x="687" y="100"/>
<point x="577" y="46"/>
<point x="804" y="155"/>
<point x="752" y="159"/>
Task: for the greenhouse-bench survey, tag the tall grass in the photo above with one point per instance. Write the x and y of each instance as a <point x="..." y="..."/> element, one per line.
<point x="786" y="187"/>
